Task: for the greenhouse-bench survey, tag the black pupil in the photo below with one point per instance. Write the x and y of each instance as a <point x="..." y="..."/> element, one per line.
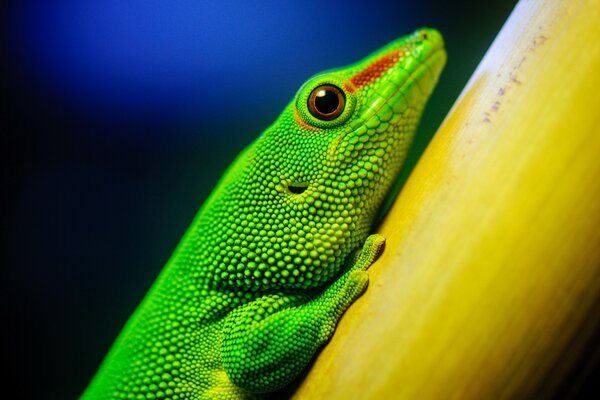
<point x="326" y="101"/>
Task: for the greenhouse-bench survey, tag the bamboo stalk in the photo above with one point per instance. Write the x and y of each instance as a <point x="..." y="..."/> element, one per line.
<point x="489" y="285"/>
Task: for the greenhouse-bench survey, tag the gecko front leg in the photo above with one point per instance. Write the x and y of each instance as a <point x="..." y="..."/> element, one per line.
<point x="270" y="340"/>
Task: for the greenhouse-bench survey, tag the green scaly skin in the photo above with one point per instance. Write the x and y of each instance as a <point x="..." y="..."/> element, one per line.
<point x="269" y="264"/>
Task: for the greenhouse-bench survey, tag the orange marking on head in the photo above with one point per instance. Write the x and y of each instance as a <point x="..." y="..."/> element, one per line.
<point x="376" y="68"/>
<point x="349" y="87"/>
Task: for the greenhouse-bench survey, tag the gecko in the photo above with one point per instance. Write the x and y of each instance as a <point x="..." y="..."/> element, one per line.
<point x="281" y="247"/>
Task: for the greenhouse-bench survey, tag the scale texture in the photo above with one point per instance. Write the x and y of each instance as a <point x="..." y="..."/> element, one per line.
<point x="281" y="247"/>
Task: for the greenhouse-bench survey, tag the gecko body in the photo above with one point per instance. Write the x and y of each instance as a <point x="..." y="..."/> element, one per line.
<point x="281" y="247"/>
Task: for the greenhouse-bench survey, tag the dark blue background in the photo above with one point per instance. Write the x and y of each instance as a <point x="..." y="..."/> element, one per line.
<point x="118" y="119"/>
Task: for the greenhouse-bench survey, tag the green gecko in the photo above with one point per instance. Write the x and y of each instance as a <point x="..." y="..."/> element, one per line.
<point x="271" y="261"/>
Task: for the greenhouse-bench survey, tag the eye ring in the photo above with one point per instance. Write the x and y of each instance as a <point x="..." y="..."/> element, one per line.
<point x="326" y="102"/>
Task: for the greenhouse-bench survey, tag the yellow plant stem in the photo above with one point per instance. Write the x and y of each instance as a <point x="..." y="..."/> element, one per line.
<point x="489" y="285"/>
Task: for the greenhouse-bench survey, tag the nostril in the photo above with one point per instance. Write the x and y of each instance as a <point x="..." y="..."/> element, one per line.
<point x="298" y="187"/>
<point x="422" y="36"/>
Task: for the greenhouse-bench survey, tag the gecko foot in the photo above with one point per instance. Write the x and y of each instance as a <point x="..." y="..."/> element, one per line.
<point x="370" y="252"/>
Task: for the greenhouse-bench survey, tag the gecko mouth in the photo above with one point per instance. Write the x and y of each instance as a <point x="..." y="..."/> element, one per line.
<point x="298" y="187"/>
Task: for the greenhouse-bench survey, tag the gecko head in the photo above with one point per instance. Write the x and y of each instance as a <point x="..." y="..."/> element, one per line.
<point x="398" y="76"/>
<point x="360" y="120"/>
<point x="354" y="126"/>
<point x="314" y="180"/>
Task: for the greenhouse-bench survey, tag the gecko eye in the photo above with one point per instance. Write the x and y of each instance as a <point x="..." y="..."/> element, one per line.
<point x="326" y="102"/>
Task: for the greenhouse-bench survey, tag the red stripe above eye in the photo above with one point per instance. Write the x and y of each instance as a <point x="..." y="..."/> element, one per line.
<point x="376" y="69"/>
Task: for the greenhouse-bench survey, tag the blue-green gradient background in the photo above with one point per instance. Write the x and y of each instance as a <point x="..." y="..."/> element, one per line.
<point x="118" y="119"/>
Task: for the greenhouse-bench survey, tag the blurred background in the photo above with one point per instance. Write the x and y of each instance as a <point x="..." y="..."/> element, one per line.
<point x="118" y="118"/>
